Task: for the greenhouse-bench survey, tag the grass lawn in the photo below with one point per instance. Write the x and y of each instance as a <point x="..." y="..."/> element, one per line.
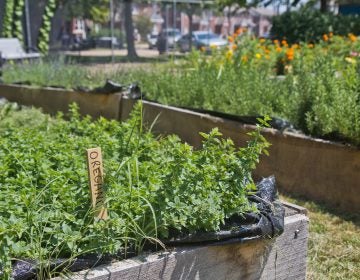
<point x="334" y="242"/>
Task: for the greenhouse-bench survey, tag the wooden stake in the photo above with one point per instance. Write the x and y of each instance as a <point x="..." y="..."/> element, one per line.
<point x="96" y="182"/>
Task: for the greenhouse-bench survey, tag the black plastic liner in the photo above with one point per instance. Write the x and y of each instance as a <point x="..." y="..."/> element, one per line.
<point x="266" y="224"/>
<point x="277" y="123"/>
<point x="28" y="269"/>
<point x="109" y="87"/>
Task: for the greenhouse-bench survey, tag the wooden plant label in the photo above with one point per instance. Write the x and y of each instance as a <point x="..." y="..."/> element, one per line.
<point x="96" y="177"/>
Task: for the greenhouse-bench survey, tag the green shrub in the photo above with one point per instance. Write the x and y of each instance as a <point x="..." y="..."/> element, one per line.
<point x="309" y="25"/>
<point x="144" y="26"/>
<point x="106" y="32"/>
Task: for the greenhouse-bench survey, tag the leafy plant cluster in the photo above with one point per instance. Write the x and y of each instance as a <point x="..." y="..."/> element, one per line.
<point x="309" y="25"/>
<point x="12" y="24"/>
<point x="8" y="18"/>
<point x="319" y="93"/>
<point x="155" y="187"/>
<point x="52" y="73"/>
<point x="44" y="32"/>
<point x="314" y="86"/>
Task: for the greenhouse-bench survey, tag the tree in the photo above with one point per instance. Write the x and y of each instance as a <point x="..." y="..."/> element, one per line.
<point x="232" y="6"/>
<point x="324" y="4"/>
<point x="129" y="29"/>
<point x="98" y="11"/>
<point x="95" y="10"/>
<point x="143" y="24"/>
<point x="190" y="8"/>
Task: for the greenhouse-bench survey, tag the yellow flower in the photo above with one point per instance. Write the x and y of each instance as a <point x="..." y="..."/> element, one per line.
<point x="267" y="57"/>
<point x="284" y="43"/>
<point x="325" y="37"/>
<point x="258" y="56"/>
<point x="350" y="60"/>
<point x="230" y="39"/>
<point x="295" y="46"/>
<point x="234" y="47"/>
<point x="290" y="54"/>
<point x="331" y="34"/>
<point x="278" y="49"/>
<point x="244" y="58"/>
<point x="239" y="31"/>
<point x="202" y="49"/>
<point x="311" y="46"/>
<point x="262" y="40"/>
<point x="229" y="54"/>
<point x="276" y="42"/>
<point x="352" y="37"/>
<point x="267" y="51"/>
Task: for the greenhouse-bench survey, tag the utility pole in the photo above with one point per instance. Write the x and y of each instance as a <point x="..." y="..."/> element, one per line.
<point x="174" y="9"/>
<point x="112" y="30"/>
<point x="27" y="23"/>
<point x="167" y="27"/>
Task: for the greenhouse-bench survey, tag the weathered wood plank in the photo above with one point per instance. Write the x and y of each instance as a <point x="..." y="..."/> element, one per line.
<point x="282" y="258"/>
<point x="53" y="100"/>
<point x="96" y="182"/>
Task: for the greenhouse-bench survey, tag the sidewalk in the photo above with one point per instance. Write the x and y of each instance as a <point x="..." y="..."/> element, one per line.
<point x="141" y="49"/>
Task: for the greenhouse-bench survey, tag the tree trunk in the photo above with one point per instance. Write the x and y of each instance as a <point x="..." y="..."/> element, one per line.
<point x="190" y="16"/>
<point x="323" y="6"/>
<point x="229" y="21"/>
<point x="129" y="29"/>
<point x="2" y="11"/>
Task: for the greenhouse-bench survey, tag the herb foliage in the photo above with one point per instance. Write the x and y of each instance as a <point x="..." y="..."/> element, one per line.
<point x="155" y="186"/>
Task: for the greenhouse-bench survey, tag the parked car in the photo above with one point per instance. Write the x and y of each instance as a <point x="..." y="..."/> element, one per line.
<point x="201" y="39"/>
<point x="152" y="40"/>
<point x="105" y="42"/>
<point x="172" y="35"/>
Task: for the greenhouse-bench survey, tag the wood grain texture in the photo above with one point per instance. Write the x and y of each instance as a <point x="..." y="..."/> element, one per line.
<point x="53" y="100"/>
<point x="281" y="258"/>
<point x="96" y="182"/>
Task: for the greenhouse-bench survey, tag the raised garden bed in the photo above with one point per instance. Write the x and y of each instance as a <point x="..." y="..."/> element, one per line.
<point x="315" y="168"/>
<point x="53" y="100"/>
<point x="156" y="191"/>
<point x="283" y="258"/>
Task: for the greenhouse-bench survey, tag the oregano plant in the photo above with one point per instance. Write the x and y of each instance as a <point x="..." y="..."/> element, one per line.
<point x="155" y="186"/>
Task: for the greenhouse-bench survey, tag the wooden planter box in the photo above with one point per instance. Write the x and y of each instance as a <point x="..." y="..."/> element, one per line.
<point x="314" y="168"/>
<point x="280" y="258"/>
<point x="53" y="100"/>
